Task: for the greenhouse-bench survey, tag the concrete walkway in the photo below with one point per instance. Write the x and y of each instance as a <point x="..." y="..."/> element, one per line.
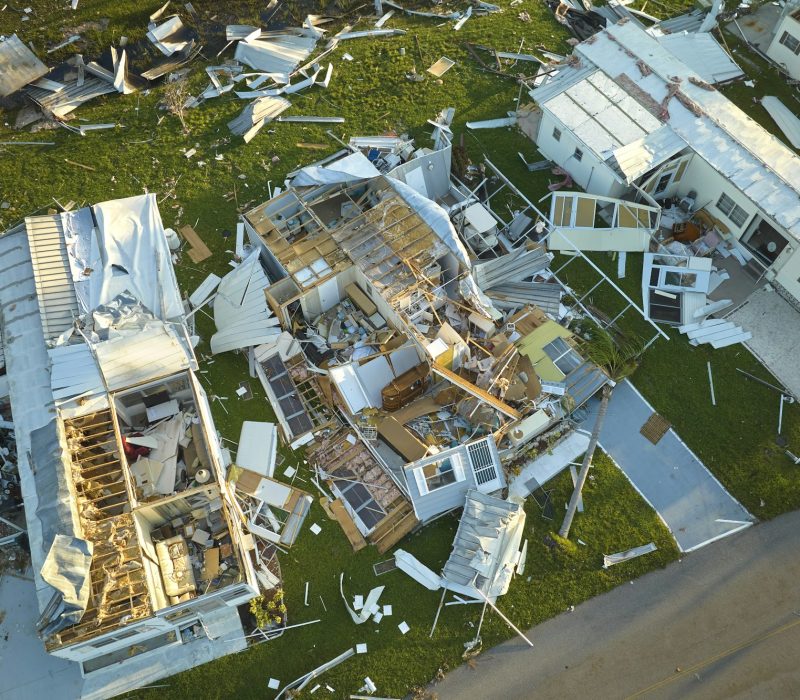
<point x="721" y="623"/>
<point x="692" y="503"/>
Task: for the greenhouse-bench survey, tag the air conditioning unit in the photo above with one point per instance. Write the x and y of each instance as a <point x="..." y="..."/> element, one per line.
<point x="529" y="427"/>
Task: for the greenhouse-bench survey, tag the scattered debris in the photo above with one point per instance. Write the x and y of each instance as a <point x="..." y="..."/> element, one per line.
<point x="619" y="557"/>
<point x="711" y="385"/>
<point x="19" y="66"/>
<point x="198" y="251"/>
<point x="170" y="36"/>
<point x="66" y="42"/>
<point x="256" y="115"/>
<point x="441" y="67"/>
<point x="300" y="683"/>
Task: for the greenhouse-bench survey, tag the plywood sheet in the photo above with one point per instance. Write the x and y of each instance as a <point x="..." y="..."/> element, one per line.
<point x="198" y="251"/>
<point x="357" y="542"/>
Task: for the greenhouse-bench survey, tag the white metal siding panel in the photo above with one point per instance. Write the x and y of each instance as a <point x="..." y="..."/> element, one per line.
<point x="58" y="303"/>
<point x="136" y="359"/>
<point x="73" y="371"/>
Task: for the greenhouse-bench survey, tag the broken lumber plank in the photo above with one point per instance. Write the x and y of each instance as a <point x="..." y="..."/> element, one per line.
<point x="198" y="250"/>
<point x="79" y="165"/>
<point x="475" y="391"/>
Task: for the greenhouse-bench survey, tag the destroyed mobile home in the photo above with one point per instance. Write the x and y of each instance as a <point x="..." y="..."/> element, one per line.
<point x="136" y="540"/>
<point x="393" y="326"/>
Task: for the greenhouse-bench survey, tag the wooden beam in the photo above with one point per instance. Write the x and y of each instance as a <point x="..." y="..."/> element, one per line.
<point x="475" y="391"/>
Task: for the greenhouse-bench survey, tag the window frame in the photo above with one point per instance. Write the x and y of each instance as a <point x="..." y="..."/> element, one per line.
<point x="791" y="42"/>
<point x="737" y="215"/>
<point x="578" y="154"/>
<point x="557" y="133"/>
<point x="664" y="176"/>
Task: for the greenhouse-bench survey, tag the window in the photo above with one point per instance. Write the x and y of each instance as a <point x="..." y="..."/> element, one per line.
<point x="112" y="639"/>
<point x="790" y="42"/>
<point x="235" y="594"/>
<point x="681" y="170"/>
<point x="563" y="355"/>
<point x="578" y="154"/>
<point x="732" y="210"/>
<point x="663" y="183"/>
<point x="438" y="474"/>
<point x="672" y="278"/>
<point x="556" y="133"/>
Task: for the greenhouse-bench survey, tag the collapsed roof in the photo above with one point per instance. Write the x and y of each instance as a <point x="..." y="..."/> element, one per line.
<point x="90" y="296"/>
<point x="396" y="332"/>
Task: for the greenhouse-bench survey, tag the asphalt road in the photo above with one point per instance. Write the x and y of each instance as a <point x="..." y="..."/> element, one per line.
<point x="722" y="623"/>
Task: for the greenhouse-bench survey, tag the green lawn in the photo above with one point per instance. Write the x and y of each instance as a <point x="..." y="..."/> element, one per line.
<point x="371" y="92"/>
<point x="735" y="438"/>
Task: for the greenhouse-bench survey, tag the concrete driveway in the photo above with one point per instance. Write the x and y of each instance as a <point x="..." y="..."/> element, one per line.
<point x="721" y="623"/>
<point x="694" y="505"/>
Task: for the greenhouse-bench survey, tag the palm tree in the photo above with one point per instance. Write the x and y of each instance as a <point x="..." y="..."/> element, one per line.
<point x="618" y="360"/>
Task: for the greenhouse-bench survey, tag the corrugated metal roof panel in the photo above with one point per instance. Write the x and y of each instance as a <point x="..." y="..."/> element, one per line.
<point x="512" y="267"/>
<point x="130" y="360"/>
<point x="736" y="146"/>
<point x="73" y="371"/>
<point x="701" y="52"/>
<point x="784" y="117"/>
<point x="241" y="314"/>
<point x="18" y="66"/>
<point x="543" y="295"/>
<point x="648" y="152"/>
<point x="690" y="22"/>
<point x="486" y="544"/>
<point x="71" y="97"/>
<point x="30" y="392"/>
<point x="58" y="304"/>
<point x="558" y="82"/>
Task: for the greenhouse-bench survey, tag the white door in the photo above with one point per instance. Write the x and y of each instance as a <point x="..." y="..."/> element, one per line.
<point x="328" y="294"/>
